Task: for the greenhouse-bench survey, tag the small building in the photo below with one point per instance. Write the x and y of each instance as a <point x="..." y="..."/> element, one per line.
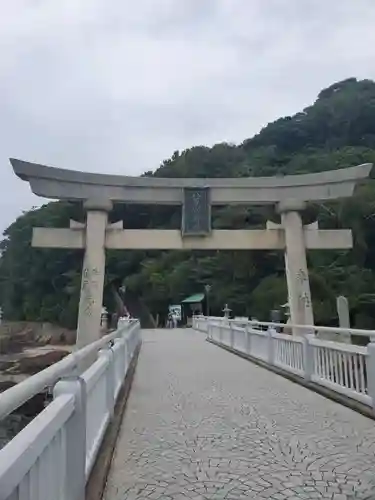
<point x="191" y="306"/>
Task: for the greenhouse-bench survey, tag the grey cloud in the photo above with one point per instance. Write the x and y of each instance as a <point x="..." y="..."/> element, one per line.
<point x="109" y="87"/>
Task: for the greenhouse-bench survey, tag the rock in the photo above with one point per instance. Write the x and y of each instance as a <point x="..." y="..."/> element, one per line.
<point x="32" y="407"/>
<point x="10" y="426"/>
<point x="6" y="384"/>
<point x="31" y="364"/>
<point x="15" y="336"/>
<point x="6" y="364"/>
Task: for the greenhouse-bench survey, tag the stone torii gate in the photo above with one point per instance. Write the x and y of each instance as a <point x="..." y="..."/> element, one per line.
<point x="99" y="191"/>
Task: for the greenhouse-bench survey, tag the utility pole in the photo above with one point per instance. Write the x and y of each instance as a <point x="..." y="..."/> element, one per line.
<point x="207" y="289"/>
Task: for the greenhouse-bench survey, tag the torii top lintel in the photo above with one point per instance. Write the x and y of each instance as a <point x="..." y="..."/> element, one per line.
<point x="57" y="183"/>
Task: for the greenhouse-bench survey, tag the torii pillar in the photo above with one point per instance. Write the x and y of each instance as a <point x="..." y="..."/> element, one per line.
<point x="93" y="270"/>
<point x="297" y="275"/>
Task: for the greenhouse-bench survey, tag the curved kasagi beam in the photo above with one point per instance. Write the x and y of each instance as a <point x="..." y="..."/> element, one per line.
<point x="57" y="183"/>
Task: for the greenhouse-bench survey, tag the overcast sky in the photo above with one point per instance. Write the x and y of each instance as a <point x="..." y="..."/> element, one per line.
<point x="115" y="86"/>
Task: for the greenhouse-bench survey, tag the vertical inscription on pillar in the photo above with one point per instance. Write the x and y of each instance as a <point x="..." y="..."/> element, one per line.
<point x="304" y="293"/>
<point x="196" y="212"/>
<point x="89" y="284"/>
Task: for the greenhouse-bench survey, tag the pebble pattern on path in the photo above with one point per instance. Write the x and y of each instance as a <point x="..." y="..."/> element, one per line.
<point x="202" y="423"/>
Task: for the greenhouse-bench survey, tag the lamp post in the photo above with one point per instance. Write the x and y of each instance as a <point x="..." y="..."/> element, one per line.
<point x="226" y="311"/>
<point x="207" y="289"/>
<point x="122" y="289"/>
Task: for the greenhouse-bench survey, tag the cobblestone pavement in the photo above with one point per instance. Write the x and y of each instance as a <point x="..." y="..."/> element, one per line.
<point x="202" y="423"/>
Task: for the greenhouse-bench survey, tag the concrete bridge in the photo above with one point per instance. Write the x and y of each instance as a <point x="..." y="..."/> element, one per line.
<point x="220" y="411"/>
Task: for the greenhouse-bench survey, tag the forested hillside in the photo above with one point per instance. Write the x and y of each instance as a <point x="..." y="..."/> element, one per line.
<point x="337" y="131"/>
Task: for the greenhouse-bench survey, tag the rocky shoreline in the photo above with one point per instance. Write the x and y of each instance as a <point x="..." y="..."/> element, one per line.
<point x="26" y="349"/>
<point x="10" y="426"/>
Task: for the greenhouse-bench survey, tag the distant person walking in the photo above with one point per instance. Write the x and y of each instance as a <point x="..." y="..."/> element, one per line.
<point x="174" y="320"/>
<point x="169" y="320"/>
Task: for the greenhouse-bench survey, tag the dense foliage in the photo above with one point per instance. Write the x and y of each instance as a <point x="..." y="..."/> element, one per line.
<point x="337" y="131"/>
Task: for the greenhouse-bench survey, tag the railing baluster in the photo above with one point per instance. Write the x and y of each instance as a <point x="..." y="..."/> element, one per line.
<point x="370" y="371"/>
<point x="287" y="353"/>
<point x="350" y="367"/>
<point x="299" y="356"/>
<point x="327" y="366"/>
<point x="330" y="365"/>
<point x="292" y="354"/>
<point x="335" y="367"/>
<point x="340" y="363"/>
<point x="319" y="358"/>
<point x="346" y="367"/>
<point x="290" y="347"/>
<point x="362" y="375"/>
<point x="285" y="346"/>
<point x="356" y="374"/>
<point x="322" y="361"/>
<point x="326" y="361"/>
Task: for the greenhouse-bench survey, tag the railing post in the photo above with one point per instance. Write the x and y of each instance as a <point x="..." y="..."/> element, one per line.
<point x="133" y="342"/>
<point x="270" y="347"/>
<point x="370" y="369"/>
<point x="126" y="355"/>
<point x="128" y="351"/>
<point x="133" y="339"/>
<point x="248" y="340"/>
<point x="308" y="357"/>
<point x="121" y="354"/>
<point x="119" y="332"/>
<point x="75" y="479"/>
<point x="107" y="354"/>
<point x="231" y="335"/>
<point x="138" y="335"/>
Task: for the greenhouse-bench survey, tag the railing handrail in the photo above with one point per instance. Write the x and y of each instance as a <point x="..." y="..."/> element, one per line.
<point x="284" y="336"/>
<point x="323" y="329"/>
<point x="339" y="346"/>
<point x="343" y="368"/>
<point x="16" y="396"/>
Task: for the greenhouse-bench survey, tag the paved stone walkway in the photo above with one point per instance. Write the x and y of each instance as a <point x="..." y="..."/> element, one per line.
<point x="202" y="423"/>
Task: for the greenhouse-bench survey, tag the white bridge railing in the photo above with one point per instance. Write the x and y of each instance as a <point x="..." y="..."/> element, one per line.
<point x="52" y="457"/>
<point x="344" y="368"/>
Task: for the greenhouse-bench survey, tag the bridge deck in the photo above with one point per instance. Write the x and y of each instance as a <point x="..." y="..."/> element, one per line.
<point x="202" y="423"/>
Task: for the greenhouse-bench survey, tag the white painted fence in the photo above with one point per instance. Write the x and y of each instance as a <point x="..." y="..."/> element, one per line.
<point x="345" y="368"/>
<point x="201" y="323"/>
<point x="52" y="457"/>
